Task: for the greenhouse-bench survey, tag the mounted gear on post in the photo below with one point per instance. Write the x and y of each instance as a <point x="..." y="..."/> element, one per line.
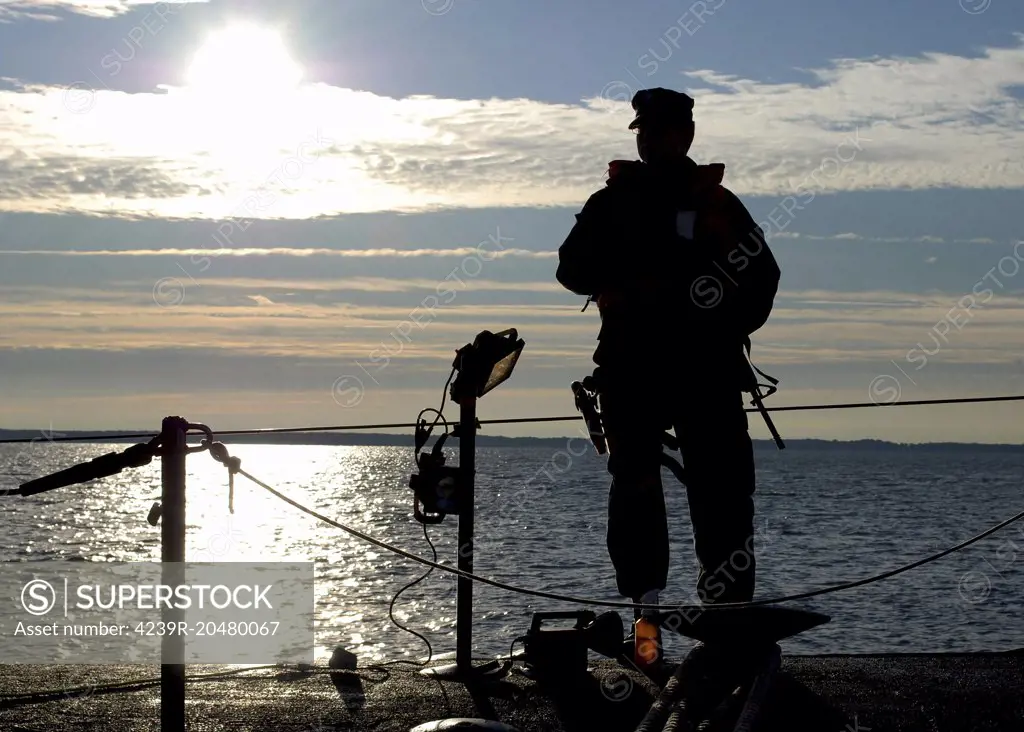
<point x="585" y="394"/>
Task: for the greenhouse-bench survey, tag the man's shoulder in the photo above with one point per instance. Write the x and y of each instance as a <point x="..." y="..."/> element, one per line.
<point x="727" y="196"/>
<point x="731" y="203"/>
<point x="622" y="171"/>
<point x="624" y="179"/>
<point x="741" y="221"/>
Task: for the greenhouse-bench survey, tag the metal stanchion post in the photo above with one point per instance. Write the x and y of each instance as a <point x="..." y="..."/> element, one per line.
<point x="464" y="597"/>
<point x="172" y="670"/>
<point x="481" y="366"/>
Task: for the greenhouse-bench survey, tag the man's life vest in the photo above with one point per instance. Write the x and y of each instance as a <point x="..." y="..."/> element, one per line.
<point x="670" y="256"/>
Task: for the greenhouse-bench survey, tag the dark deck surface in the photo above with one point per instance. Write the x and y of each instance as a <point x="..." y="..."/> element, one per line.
<point x="929" y="693"/>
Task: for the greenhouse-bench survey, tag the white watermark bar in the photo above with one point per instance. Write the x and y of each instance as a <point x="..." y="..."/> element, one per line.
<point x="115" y="613"/>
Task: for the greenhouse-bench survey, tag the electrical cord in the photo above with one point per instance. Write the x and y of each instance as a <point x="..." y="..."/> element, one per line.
<point x="88" y="689"/>
<point x="440" y="410"/>
<point x="511" y="657"/>
<point x="13" y="698"/>
<point x="391" y="608"/>
<point x="422" y="435"/>
<point x="444" y="395"/>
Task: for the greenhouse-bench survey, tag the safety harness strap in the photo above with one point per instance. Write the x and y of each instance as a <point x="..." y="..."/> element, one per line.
<point x="757" y="396"/>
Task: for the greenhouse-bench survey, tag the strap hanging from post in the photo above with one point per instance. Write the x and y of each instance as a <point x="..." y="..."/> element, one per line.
<point x="757" y="396"/>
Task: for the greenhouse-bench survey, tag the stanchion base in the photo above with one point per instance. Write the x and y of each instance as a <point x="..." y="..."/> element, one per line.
<point x="454" y="672"/>
<point x="463" y="723"/>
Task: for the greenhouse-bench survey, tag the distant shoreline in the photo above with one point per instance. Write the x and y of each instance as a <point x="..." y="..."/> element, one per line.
<point x="371" y="439"/>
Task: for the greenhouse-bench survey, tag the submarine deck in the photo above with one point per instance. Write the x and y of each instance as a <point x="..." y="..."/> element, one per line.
<point x="833" y="693"/>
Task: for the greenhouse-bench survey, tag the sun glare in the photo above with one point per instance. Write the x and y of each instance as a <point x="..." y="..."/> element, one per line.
<point x="243" y="60"/>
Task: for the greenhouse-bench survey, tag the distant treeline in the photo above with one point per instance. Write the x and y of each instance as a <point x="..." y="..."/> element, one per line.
<point x="485" y="440"/>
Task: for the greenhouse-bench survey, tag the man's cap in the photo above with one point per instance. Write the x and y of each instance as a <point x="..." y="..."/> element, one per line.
<point x="661" y="106"/>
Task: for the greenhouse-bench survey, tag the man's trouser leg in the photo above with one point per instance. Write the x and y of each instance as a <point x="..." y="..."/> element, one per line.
<point x="637" y="524"/>
<point x="719" y="460"/>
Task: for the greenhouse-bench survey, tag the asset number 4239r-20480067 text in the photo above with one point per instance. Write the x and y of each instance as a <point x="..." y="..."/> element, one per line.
<point x="153" y="628"/>
<point x="210" y="628"/>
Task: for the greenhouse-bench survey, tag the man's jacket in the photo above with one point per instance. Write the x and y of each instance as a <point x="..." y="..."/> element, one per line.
<point x="671" y="257"/>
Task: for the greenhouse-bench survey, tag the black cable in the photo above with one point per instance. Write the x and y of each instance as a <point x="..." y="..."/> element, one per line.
<point x="515" y="420"/>
<point x="511" y="658"/>
<point x="10" y="698"/>
<point x="86" y="689"/>
<point x="608" y="603"/>
<point x="444" y="392"/>
<point x="439" y="418"/>
<point x="426" y="535"/>
<point x="440" y="411"/>
<point x="391" y="608"/>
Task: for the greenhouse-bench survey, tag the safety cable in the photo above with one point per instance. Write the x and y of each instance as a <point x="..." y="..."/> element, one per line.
<point x="512" y="420"/>
<point x="624" y="605"/>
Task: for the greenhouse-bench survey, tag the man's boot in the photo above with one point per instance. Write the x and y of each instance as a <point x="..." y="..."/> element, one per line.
<point x="629" y="645"/>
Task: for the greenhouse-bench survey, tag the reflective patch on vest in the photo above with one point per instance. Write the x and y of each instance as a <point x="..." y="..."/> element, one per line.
<point x="684" y="223"/>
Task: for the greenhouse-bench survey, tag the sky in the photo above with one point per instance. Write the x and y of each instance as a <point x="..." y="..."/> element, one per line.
<point x="268" y="214"/>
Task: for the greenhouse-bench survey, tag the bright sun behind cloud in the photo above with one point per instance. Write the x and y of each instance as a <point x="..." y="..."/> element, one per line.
<point x="241" y="61"/>
<point x="242" y="101"/>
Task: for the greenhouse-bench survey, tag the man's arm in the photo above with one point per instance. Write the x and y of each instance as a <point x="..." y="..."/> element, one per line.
<point x="752" y="265"/>
<point x="582" y="256"/>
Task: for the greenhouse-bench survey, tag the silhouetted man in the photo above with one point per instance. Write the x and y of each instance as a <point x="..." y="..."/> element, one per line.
<point x="681" y="275"/>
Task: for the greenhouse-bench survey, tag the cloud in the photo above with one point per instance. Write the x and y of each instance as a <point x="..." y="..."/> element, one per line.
<point x="262" y="328"/>
<point x="9" y="15"/>
<point x="384" y="284"/>
<point x="275" y="360"/>
<point x="253" y="317"/>
<point x="910" y="123"/>
<point x="40" y="9"/>
<point x="27" y="178"/>
<point x="850" y="236"/>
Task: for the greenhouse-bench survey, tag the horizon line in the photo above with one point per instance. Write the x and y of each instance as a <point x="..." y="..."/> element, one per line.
<point x="124" y="434"/>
